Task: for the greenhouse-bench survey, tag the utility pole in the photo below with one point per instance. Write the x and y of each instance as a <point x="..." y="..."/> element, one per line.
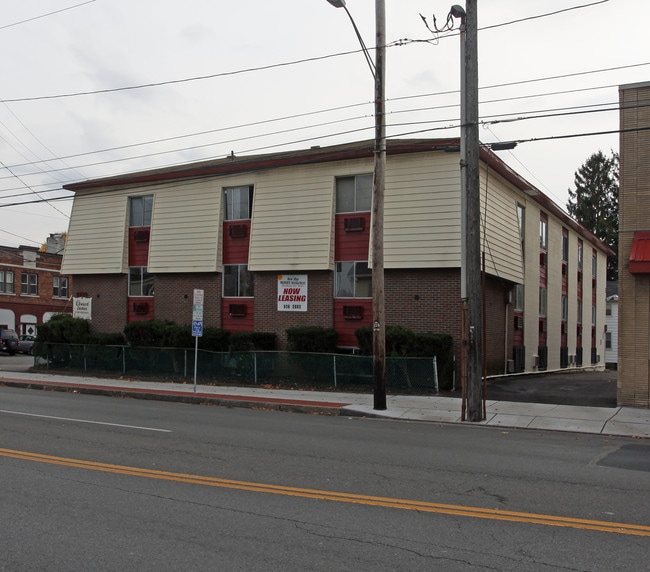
<point x="378" y="191"/>
<point x="470" y="213"/>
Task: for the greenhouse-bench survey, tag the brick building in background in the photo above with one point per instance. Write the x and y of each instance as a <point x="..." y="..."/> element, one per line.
<point x="634" y="247"/>
<point x="32" y="287"/>
<point x="241" y="228"/>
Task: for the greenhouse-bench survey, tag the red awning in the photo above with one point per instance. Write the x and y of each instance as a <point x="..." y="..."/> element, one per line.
<point x="640" y="253"/>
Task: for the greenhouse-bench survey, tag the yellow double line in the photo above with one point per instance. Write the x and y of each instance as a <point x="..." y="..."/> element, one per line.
<point x="402" y="504"/>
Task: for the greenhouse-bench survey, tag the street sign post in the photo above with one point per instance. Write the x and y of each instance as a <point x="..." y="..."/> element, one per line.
<point x="197" y="326"/>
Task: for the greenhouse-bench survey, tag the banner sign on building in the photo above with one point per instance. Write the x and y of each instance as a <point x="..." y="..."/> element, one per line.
<point x="292" y="293"/>
<point x="82" y="308"/>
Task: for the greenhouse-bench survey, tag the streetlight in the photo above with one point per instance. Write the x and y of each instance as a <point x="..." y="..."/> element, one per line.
<point x="378" y="188"/>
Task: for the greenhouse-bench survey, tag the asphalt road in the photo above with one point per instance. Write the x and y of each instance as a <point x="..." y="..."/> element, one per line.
<point x="112" y="484"/>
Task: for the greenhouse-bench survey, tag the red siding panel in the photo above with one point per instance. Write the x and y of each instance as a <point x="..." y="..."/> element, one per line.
<point x="236" y="241"/>
<point x="351" y="244"/>
<point x="238" y="322"/>
<point x="140" y="309"/>
<point x="345" y="326"/>
<point x="139" y="246"/>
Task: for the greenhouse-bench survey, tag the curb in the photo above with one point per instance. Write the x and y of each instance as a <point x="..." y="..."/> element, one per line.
<point x="286" y="405"/>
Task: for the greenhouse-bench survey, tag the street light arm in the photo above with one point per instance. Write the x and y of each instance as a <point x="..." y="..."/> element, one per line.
<point x="366" y="53"/>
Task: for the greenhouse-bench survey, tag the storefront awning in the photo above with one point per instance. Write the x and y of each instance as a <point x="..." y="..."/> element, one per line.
<point x="640" y="253"/>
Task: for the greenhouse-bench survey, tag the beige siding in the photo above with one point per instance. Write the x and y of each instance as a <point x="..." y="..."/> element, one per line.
<point x="293" y="219"/>
<point x="500" y="230"/>
<point x="185" y="227"/>
<point x="422" y="211"/>
<point x="96" y="235"/>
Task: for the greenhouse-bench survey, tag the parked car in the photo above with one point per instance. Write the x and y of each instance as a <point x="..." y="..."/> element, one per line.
<point x="9" y="341"/>
<point x="26" y="344"/>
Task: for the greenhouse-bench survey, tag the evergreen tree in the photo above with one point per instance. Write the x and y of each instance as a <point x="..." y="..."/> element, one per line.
<point x="594" y="203"/>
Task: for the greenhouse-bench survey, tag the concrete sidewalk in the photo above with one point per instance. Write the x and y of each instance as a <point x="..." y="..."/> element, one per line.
<point x="623" y="421"/>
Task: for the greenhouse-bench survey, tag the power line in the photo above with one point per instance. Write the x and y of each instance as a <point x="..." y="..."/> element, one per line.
<point x="46" y="15"/>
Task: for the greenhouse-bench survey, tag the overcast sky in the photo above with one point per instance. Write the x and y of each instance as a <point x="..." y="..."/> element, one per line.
<point x="254" y="76"/>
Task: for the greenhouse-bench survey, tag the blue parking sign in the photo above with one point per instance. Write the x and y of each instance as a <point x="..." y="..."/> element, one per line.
<point x="197" y="328"/>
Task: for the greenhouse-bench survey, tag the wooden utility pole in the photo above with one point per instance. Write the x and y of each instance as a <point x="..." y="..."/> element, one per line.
<point x="471" y="214"/>
<point x="378" y="188"/>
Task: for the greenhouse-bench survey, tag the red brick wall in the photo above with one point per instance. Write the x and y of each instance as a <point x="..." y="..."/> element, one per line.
<point x="109" y="294"/>
<point x="175" y="295"/>
<point x="320" y="288"/>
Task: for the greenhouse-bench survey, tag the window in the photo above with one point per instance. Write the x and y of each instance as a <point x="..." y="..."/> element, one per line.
<point x="353" y="194"/>
<point x="608" y="309"/>
<point x="140" y="210"/>
<point x="608" y="340"/>
<point x="519" y="297"/>
<point x="29" y="284"/>
<point x="542" y="301"/>
<point x="6" y="281"/>
<point x="543" y="232"/>
<point x="580" y="250"/>
<point x="141" y="283"/>
<point x="565" y="246"/>
<point x="60" y="287"/>
<point x="594" y="264"/>
<point x="238" y="281"/>
<point x="239" y="202"/>
<point x="353" y="280"/>
<point x="521" y="219"/>
<point x="565" y="307"/>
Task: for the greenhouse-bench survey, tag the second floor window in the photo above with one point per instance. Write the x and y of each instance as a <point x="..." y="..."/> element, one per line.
<point x="60" y="287"/>
<point x="353" y="280"/>
<point x="353" y="194"/>
<point x="565" y="307"/>
<point x="519" y="297"/>
<point x="239" y="202"/>
<point x="29" y="284"/>
<point x="238" y="281"/>
<point x="141" y="283"/>
<point x="7" y="282"/>
<point x="543" y="233"/>
<point x="140" y="210"/>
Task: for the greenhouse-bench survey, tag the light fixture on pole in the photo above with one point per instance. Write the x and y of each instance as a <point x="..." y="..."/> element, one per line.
<point x="378" y="188"/>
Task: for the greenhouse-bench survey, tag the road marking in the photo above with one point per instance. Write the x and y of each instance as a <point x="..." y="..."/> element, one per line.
<point x="402" y="504"/>
<point x="85" y="421"/>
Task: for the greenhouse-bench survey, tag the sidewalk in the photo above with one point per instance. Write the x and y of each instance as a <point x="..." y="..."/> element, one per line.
<point x="622" y="421"/>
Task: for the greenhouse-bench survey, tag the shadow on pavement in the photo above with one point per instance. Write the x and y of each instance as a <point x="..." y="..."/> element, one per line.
<point x="587" y="389"/>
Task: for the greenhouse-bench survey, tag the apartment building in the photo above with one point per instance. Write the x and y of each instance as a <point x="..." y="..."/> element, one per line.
<point x="282" y="240"/>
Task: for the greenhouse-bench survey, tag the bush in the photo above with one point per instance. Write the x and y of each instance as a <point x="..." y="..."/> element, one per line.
<point x="64" y="329"/>
<point x="107" y="339"/>
<point x="312" y="339"/>
<point x="148" y="333"/>
<point x="252" y="341"/>
<point x="214" y="339"/>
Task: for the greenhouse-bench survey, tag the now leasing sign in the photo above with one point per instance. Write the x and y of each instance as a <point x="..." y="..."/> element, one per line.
<point x="292" y="293"/>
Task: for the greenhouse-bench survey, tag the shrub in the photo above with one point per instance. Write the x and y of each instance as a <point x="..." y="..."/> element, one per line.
<point x="148" y="333"/>
<point x="64" y="329"/>
<point x="251" y="341"/>
<point x="214" y="339"/>
<point x="312" y="339"/>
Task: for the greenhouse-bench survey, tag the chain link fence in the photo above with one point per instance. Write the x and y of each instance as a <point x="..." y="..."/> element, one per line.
<point x="339" y="371"/>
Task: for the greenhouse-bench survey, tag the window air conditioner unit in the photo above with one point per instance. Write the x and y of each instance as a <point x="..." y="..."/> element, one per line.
<point x="141" y="236"/>
<point x="542" y="258"/>
<point x="354" y="224"/>
<point x="353" y="312"/>
<point x="543" y="325"/>
<point x="237" y="310"/>
<point x="579" y="275"/>
<point x="238" y="231"/>
<point x="563" y="328"/>
<point x="140" y="308"/>
<point x="579" y="330"/>
<point x="564" y="268"/>
<point x="519" y="322"/>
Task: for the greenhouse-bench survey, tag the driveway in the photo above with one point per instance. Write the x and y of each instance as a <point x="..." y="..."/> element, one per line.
<point x="589" y="389"/>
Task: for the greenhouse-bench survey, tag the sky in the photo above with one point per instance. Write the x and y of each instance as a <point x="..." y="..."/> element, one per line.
<point x="94" y="88"/>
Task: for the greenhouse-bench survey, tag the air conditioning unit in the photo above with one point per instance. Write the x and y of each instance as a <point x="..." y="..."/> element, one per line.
<point x="237" y="310"/>
<point x="563" y="328"/>
<point x="543" y="325"/>
<point x="579" y="330"/>
<point x="353" y="312"/>
<point x="141" y="236"/>
<point x="564" y="268"/>
<point x="354" y="224"/>
<point x="542" y="258"/>
<point x="238" y="231"/>
<point x="140" y="308"/>
<point x="519" y="322"/>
